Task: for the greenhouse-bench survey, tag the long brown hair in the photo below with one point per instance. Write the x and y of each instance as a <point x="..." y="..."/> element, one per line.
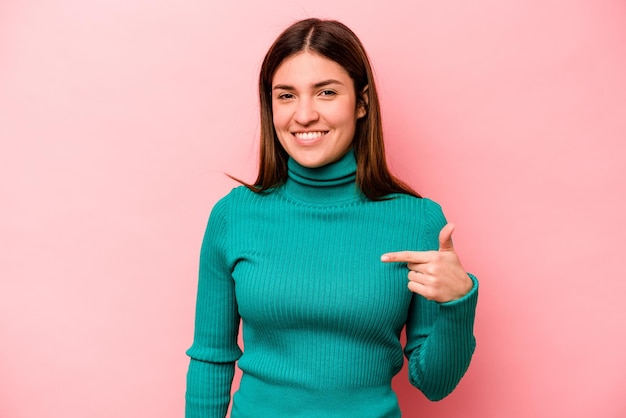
<point x="335" y="41"/>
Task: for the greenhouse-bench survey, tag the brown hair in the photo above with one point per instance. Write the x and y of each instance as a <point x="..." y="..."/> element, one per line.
<point x="335" y="41"/>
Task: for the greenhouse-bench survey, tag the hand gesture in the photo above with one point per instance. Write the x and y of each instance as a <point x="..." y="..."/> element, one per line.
<point x="436" y="275"/>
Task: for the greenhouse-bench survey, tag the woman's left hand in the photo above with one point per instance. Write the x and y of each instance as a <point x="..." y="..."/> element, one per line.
<point x="436" y="275"/>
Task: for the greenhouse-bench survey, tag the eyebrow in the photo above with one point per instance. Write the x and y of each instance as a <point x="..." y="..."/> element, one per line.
<point x="315" y="86"/>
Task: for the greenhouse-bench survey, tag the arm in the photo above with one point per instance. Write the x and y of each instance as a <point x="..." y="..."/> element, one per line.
<point x="214" y="349"/>
<point x="440" y="342"/>
<point x="439" y="329"/>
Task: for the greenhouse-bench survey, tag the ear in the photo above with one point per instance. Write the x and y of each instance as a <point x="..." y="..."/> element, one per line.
<point x="362" y="102"/>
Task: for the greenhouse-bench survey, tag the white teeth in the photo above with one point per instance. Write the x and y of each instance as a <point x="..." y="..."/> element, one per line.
<point x="307" y="136"/>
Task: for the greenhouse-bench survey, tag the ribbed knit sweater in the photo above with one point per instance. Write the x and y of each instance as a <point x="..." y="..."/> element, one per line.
<point x="321" y="314"/>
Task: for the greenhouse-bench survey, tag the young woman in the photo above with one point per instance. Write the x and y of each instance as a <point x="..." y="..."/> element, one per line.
<point x="326" y="257"/>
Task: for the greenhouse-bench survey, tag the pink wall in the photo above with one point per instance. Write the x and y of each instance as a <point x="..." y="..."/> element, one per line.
<point x="118" y="118"/>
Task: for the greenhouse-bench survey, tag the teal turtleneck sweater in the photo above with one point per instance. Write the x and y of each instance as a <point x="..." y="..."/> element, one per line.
<point x="321" y="314"/>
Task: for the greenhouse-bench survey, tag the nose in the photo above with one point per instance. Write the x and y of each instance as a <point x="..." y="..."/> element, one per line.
<point x="305" y="112"/>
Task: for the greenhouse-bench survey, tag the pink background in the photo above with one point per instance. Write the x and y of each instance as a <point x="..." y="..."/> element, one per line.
<point x="118" y="119"/>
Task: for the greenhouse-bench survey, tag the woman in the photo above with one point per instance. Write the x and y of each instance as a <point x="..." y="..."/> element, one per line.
<point x="302" y="256"/>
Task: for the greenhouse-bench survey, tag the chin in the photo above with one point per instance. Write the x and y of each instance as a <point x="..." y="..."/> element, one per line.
<point x="310" y="164"/>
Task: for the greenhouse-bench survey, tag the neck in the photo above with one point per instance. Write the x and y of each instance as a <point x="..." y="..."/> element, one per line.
<point x="332" y="183"/>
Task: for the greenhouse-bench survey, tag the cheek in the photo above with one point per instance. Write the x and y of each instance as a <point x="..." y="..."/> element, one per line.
<point x="345" y="115"/>
<point x="348" y="122"/>
<point x="279" y="118"/>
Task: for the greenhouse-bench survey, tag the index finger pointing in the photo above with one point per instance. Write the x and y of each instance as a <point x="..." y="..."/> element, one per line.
<point x="405" y="257"/>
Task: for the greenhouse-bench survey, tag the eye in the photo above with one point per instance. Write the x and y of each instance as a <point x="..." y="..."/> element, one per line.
<point x="328" y="93"/>
<point x="285" y="96"/>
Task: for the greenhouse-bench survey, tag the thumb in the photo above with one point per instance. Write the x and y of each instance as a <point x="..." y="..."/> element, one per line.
<point x="445" y="238"/>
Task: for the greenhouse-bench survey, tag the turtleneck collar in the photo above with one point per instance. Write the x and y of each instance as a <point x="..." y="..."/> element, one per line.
<point x="329" y="184"/>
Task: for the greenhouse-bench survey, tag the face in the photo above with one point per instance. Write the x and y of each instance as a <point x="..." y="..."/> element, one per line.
<point x="315" y="109"/>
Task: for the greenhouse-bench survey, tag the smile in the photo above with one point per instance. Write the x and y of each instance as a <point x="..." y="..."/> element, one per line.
<point x="309" y="136"/>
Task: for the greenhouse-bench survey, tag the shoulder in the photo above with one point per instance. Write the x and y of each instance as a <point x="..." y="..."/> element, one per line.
<point x="423" y="205"/>
<point x="433" y="211"/>
<point x="222" y="206"/>
<point x="237" y="195"/>
<point x="433" y="220"/>
<point x="240" y="202"/>
<point x="424" y="213"/>
<point x="423" y="210"/>
<point x="225" y="210"/>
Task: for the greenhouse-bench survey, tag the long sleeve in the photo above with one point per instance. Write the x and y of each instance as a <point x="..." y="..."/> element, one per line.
<point x="214" y="349"/>
<point x="440" y="336"/>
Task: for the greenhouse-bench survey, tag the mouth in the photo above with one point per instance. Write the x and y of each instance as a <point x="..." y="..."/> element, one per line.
<point x="309" y="136"/>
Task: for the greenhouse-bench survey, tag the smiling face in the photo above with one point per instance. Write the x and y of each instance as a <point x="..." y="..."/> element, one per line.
<point x="314" y="108"/>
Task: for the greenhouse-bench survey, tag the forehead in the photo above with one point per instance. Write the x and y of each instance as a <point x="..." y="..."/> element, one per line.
<point x="306" y="68"/>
